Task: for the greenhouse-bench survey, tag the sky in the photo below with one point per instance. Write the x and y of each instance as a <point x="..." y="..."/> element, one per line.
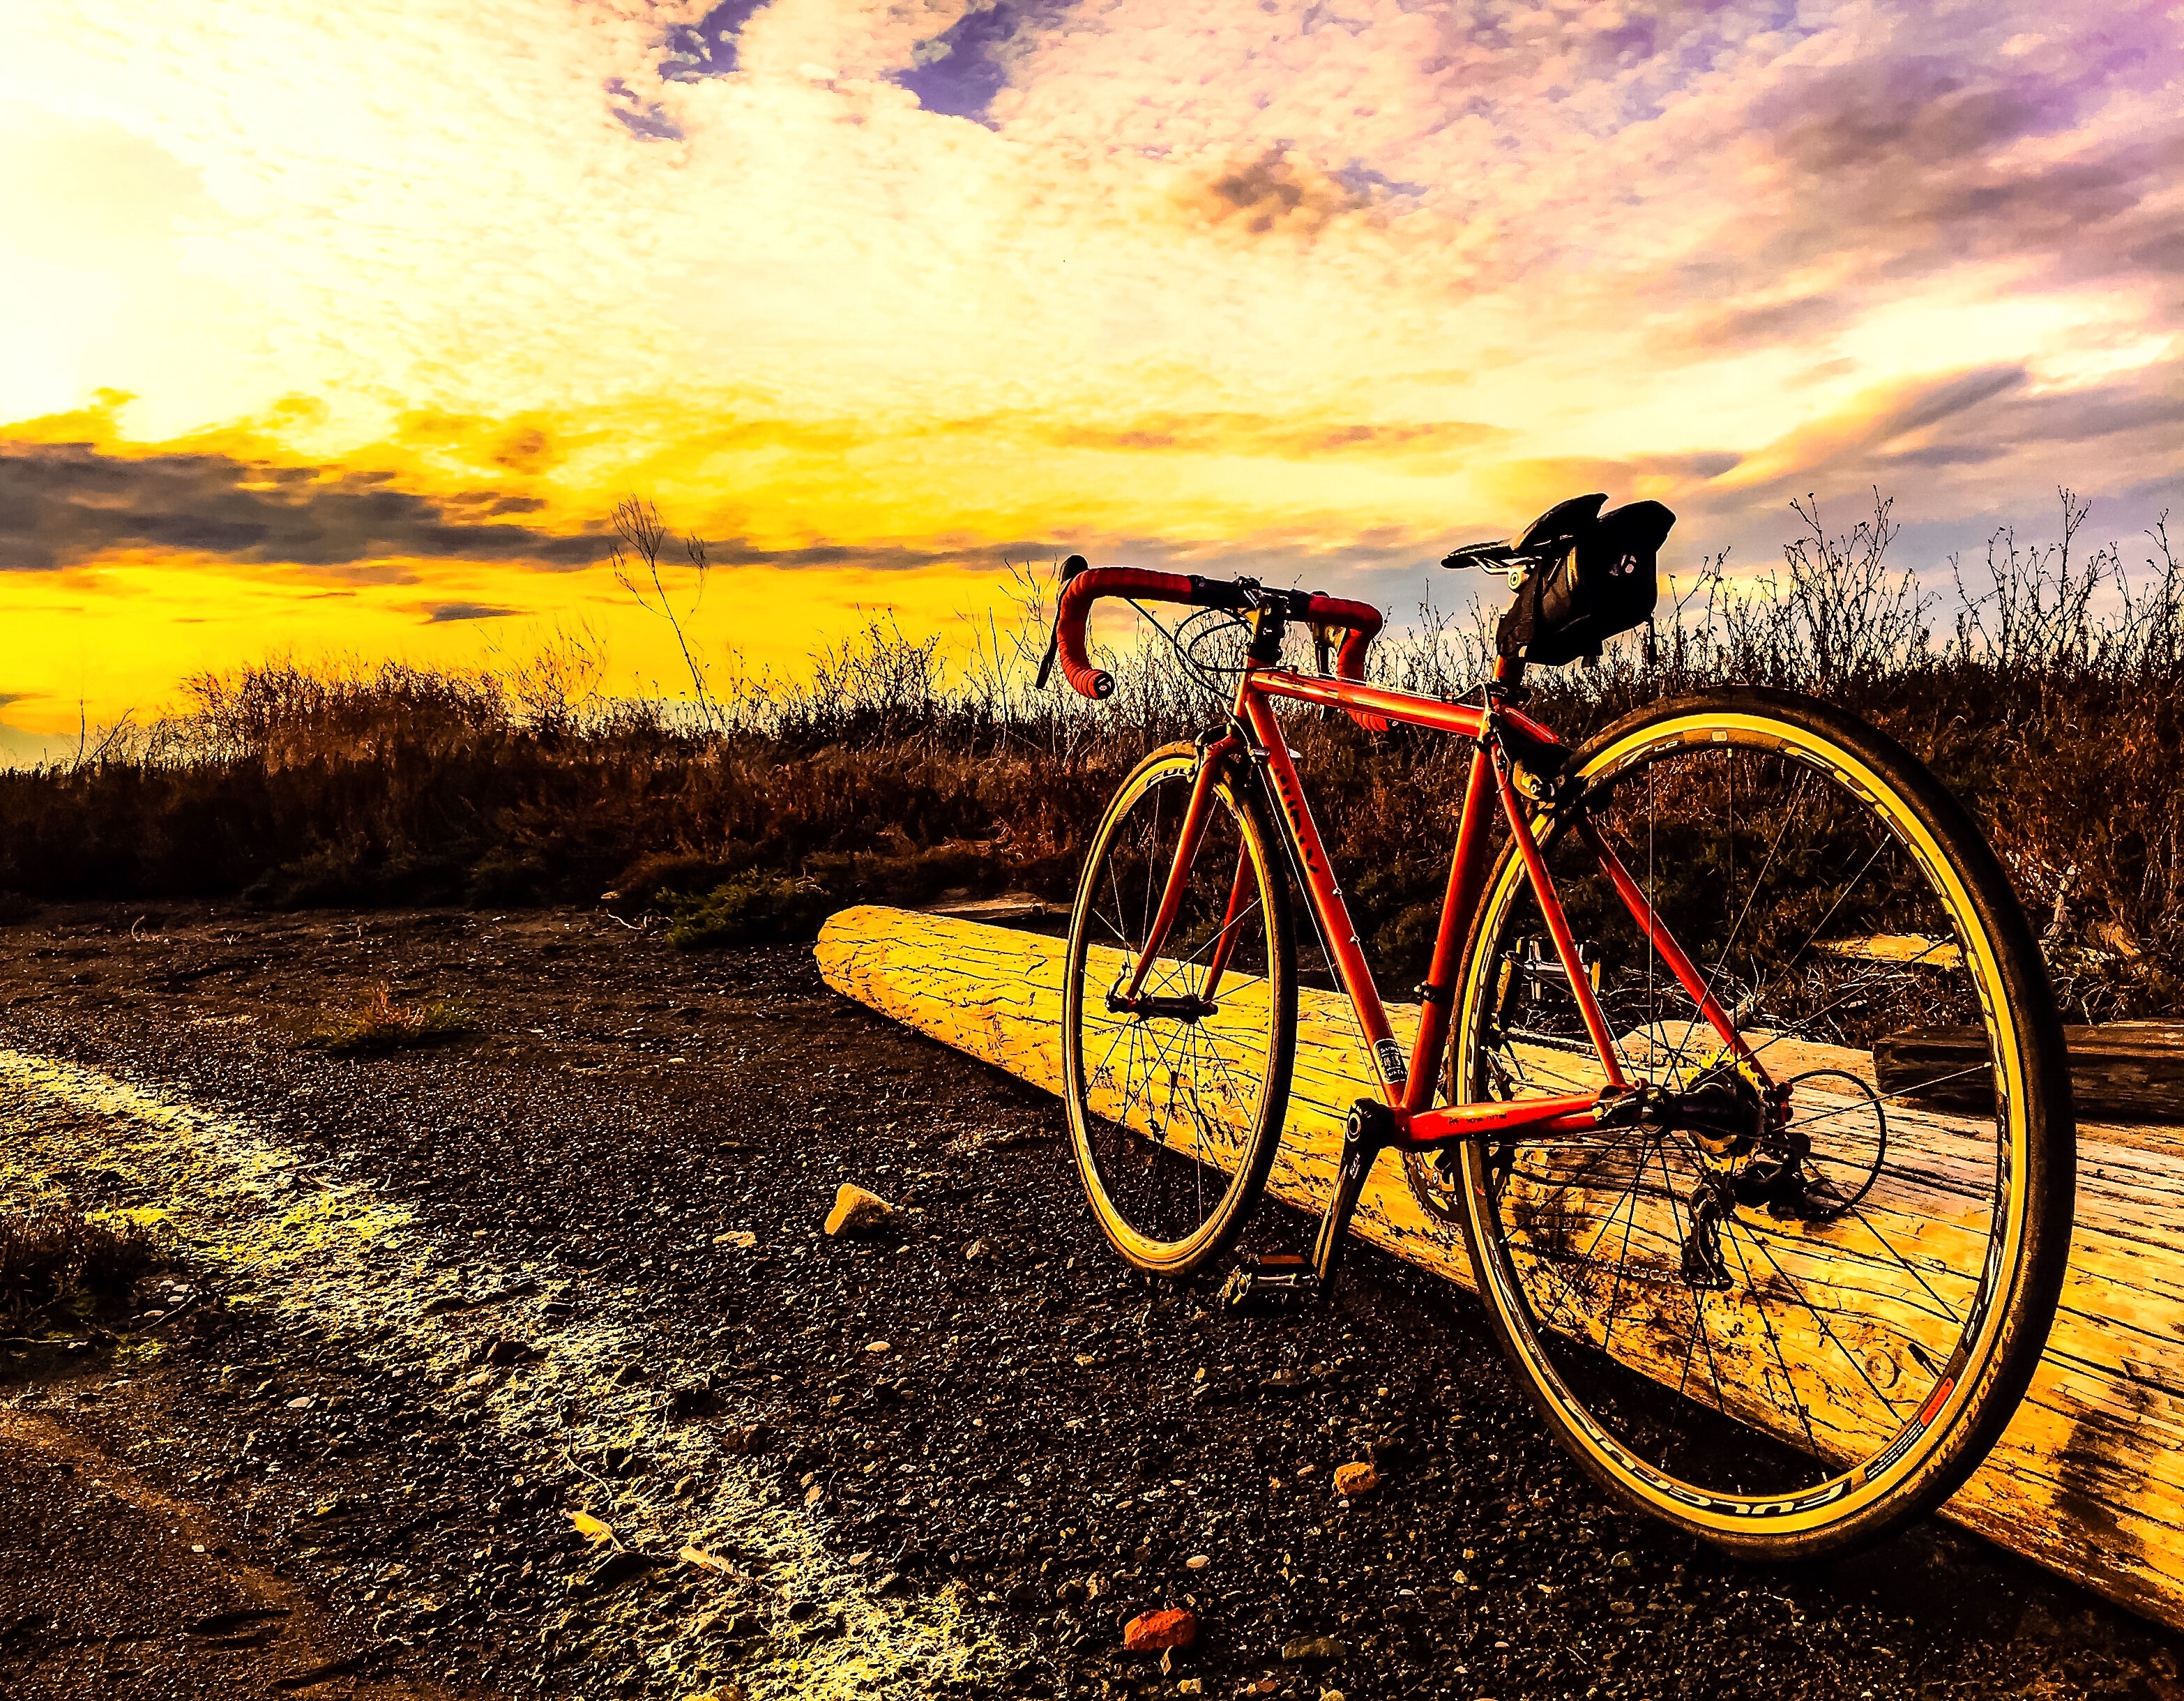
<point x="337" y="331"/>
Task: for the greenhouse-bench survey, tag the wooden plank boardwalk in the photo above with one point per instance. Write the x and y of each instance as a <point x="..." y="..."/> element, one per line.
<point x="2089" y="1478"/>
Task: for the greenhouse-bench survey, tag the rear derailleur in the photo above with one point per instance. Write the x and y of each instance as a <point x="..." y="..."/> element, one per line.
<point x="1753" y="1160"/>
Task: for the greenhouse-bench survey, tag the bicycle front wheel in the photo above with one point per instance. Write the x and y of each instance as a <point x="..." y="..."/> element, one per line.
<point x="1176" y="1093"/>
<point x="1796" y="1304"/>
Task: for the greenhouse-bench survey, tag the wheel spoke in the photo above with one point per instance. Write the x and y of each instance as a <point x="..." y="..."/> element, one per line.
<point x="1775" y="859"/>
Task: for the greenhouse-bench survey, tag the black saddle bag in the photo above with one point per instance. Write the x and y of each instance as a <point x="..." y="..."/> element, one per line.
<point x="1606" y="581"/>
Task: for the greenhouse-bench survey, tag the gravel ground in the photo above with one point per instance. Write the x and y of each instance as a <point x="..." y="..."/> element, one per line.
<point x="419" y="1310"/>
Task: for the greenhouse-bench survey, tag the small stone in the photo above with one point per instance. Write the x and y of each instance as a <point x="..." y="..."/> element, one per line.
<point x="742" y="1240"/>
<point x="685" y="1487"/>
<point x="1199" y="1562"/>
<point x="814" y="1495"/>
<point x="1332" y="1695"/>
<point x="1169" y="1627"/>
<point x="1307" y="1469"/>
<point x="1621" y="1560"/>
<point x="856" y="1212"/>
<point x="1621" y="1608"/>
<point x="301" y="1403"/>
<point x="878" y="1347"/>
<point x="863" y="1558"/>
<point x="1310" y="1649"/>
<point x="1357" y="1477"/>
<point x="976" y="1250"/>
<point x="1191" y="1686"/>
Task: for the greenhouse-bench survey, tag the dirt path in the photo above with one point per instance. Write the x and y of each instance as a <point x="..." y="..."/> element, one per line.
<point x="422" y="1308"/>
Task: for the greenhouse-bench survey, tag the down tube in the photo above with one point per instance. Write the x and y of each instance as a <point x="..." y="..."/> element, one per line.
<point x="1335" y="926"/>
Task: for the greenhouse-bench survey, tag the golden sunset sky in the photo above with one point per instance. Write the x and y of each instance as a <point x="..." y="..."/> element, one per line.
<point x="338" y="329"/>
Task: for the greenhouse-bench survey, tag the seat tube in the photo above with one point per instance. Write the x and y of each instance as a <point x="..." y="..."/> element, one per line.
<point x="1466" y="880"/>
<point x="1467" y="877"/>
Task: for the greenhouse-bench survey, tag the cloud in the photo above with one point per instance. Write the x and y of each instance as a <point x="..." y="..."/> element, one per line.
<point x="1282" y="439"/>
<point x="440" y="613"/>
<point x="62" y="503"/>
<point x="892" y="286"/>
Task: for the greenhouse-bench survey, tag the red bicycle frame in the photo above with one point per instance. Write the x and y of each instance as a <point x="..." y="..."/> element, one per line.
<point x="1404" y="1114"/>
<point x="1407" y="1087"/>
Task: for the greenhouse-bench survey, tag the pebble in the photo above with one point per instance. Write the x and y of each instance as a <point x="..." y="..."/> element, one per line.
<point x="1199" y="1562"/>
<point x="877" y="1346"/>
<point x="976" y="1250"/>
<point x="1301" y="1648"/>
<point x="856" y="1212"/>
<point x="1356" y="1478"/>
<point x="1169" y="1627"/>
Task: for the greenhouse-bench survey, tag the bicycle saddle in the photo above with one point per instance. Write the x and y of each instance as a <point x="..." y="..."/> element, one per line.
<point x="1550" y="535"/>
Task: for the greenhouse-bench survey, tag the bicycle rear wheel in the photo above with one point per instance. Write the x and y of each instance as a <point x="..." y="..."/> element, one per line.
<point x="1785" y="1328"/>
<point x="1176" y="1098"/>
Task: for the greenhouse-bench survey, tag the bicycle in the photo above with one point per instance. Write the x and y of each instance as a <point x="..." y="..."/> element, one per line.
<point x="1755" y="1294"/>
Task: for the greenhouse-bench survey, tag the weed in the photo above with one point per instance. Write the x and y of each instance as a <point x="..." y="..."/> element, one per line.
<point x="743" y="911"/>
<point x="49" y="1252"/>
<point x="378" y="1024"/>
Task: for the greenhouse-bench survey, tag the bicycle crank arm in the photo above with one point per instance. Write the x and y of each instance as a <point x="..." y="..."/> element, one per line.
<point x="1370" y="1128"/>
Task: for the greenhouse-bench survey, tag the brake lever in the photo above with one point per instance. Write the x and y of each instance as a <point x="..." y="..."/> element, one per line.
<point x="1070" y="569"/>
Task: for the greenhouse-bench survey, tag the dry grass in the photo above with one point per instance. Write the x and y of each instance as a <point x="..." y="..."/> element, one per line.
<point x="49" y="1253"/>
<point x="2047" y="687"/>
<point x="378" y="1024"/>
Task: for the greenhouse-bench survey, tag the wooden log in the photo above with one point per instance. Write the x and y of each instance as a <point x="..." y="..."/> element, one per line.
<point x="2132" y="1070"/>
<point x="2089" y="1478"/>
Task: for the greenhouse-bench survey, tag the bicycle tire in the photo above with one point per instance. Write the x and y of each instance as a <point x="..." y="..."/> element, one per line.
<point x="1860" y="1478"/>
<point x="1215" y="1087"/>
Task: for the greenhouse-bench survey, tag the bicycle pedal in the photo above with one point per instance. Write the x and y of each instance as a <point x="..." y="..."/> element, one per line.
<point x="1277" y="1285"/>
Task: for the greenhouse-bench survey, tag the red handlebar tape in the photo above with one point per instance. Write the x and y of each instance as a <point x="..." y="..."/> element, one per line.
<point x="1077" y="601"/>
<point x="1361" y="621"/>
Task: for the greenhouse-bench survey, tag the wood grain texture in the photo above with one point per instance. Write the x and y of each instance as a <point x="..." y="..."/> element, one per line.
<point x="2089" y="1478"/>
<point x="2129" y="1069"/>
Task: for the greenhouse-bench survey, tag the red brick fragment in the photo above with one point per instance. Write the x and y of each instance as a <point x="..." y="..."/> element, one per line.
<point x="1169" y="1627"/>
